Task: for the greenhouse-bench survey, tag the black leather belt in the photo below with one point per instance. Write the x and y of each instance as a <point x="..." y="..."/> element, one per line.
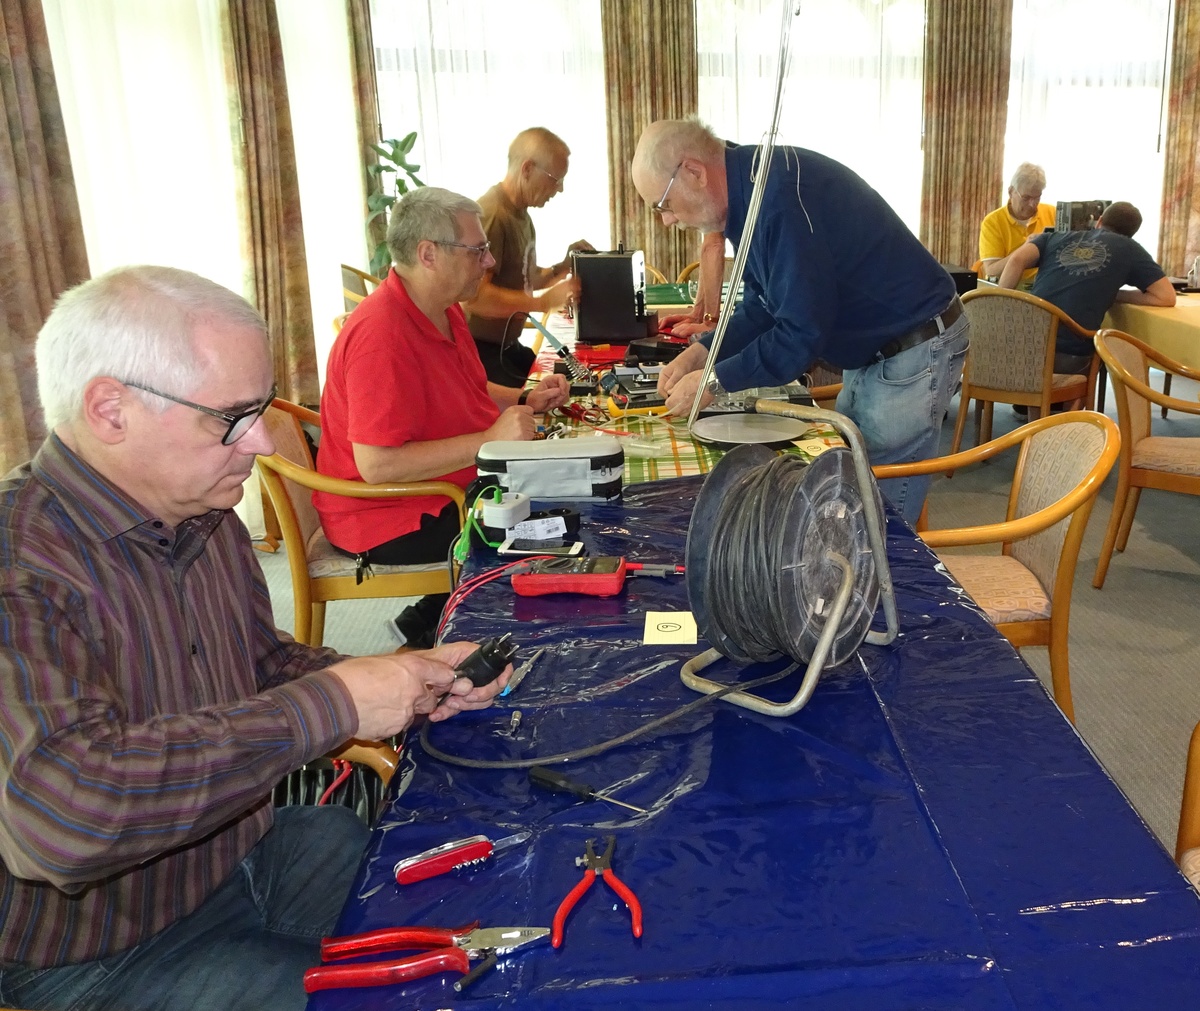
<point x="920" y="334"/>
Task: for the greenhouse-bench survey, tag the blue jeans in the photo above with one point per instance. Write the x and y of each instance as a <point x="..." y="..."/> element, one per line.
<point x="899" y="403"/>
<point x="246" y="946"/>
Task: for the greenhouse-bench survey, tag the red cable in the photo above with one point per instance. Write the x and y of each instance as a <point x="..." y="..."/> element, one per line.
<point x="343" y="769"/>
<point x="471" y="585"/>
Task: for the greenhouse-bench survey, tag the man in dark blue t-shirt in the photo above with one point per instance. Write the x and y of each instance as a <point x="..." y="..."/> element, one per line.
<point x="1083" y="273"/>
<point x="832" y="273"/>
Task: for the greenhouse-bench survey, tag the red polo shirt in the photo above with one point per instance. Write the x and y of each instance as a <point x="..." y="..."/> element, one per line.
<point x="393" y="379"/>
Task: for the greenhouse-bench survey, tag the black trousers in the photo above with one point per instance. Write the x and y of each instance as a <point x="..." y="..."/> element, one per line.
<point x="508" y="369"/>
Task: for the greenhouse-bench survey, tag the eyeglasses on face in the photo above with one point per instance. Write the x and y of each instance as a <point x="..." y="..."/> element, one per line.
<point x="239" y="423"/>
<point x="660" y="205"/>
<point x="557" y="180"/>
<point x="480" y="251"/>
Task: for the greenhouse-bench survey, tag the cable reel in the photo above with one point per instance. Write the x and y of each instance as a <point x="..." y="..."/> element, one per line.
<point x="787" y="558"/>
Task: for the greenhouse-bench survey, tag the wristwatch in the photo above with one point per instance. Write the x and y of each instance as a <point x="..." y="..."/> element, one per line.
<point x="523" y="398"/>
<point x="709" y="318"/>
<point x="713" y="386"/>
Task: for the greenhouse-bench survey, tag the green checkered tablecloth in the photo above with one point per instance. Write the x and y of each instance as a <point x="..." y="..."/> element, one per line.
<point x="657" y="448"/>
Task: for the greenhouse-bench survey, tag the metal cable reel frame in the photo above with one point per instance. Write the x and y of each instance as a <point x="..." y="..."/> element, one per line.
<point x="851" y="584"/>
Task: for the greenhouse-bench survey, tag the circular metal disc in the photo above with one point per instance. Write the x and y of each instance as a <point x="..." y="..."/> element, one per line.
<point x="748" y="429"/>
<point x="731" y="470"/>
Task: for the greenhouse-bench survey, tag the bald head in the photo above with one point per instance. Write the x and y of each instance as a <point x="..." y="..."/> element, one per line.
<point x="535" y="143"/>
<point x="667" y="142"/>
<point x="537" y="165"/>
<point x="679" y="171"/>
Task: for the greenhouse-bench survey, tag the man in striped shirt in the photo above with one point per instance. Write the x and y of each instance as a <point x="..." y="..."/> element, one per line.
<point x="149" y="702"/>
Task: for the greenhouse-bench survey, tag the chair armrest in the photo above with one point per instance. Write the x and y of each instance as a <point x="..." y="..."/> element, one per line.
<point x="360" y="489"/>
<point x="379" y="756"/>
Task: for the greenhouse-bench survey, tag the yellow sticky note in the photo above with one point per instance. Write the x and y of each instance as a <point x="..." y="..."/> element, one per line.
<point x="670" y="627"/>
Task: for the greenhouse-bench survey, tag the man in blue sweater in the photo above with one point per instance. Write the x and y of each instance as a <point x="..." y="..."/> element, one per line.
<point x="832" y="273"/>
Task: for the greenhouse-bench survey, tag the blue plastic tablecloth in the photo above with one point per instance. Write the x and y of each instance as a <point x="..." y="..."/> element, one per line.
<point x="929" y="832"/>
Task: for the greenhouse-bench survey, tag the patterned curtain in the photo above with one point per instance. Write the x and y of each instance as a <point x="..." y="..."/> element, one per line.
<point x="967" y="47"/>
<point x="649" y="74"/>
<point x="366" y="109"/>
<point x="41" y="238"/>
<point x="1179" y="240"/>
<point x="274" y="234"/>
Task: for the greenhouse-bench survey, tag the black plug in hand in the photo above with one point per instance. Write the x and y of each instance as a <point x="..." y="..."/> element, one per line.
<point x="487" y="663"/>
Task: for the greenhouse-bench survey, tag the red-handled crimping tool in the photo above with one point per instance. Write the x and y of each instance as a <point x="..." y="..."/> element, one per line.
<point x="469" y="851"/>
<point x="602" y="866"/>
<point x="454" y="950"/>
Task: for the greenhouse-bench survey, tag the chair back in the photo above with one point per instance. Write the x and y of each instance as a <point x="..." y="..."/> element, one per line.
<point x="357" y="285"/>
<point x="1012" y="340"/>
<point x="1122" y="356"/>
<point x="1052" y="464"/>
<point x="283" y="423"/>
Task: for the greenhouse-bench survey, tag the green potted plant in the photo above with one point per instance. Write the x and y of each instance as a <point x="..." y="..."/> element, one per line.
<point x="392" y="163"/>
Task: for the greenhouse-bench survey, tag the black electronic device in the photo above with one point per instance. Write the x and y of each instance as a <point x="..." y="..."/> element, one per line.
<point x="612" y="296"/>
<point x="1078" y="215"/>
<point x="654" y="349"/>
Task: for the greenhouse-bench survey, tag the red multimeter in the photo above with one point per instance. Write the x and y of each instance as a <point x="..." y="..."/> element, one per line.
<point x="599" y="577"/>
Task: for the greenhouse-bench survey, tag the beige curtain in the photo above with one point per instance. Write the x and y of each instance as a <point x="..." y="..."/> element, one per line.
<point x="967" y="48"/>
<point x="273" y="232"/>
<point x="41" y="238"/>
<point x="1179" y="240"/>
<point x="649" y="74"/>
<point x="366" y="108"/>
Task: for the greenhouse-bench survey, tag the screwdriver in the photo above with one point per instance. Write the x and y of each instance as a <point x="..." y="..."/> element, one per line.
<point x="559" y="783"/>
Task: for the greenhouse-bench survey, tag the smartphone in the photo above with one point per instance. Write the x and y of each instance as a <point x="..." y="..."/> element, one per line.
<point x="525" y="546"/>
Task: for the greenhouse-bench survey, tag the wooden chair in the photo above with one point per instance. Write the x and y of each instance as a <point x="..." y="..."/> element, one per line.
<point x="687" y="272"/>
<point x="1026" y="590"/>
<point x="1187" y="841"/>
<point x="339" y="322"/>
<point x="378" y="755"/>
<point x="357" y="285"/>
<point x="1011" y="359"/>
<point x="1147" y="461"/>
<point x="655" y="275"/>
<point x="320" y="573"/>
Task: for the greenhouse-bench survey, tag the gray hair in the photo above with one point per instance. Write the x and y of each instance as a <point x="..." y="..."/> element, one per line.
<point x="1028" y="174"/>
<point x="665" y="143"/>
<point x="135" y="324"/>
<point x="428" y="212"/>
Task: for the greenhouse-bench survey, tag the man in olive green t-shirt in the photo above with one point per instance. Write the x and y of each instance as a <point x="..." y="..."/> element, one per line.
<point x="537" y="165"/>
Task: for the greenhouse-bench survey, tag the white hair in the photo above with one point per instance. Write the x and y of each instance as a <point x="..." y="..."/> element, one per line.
<point x="428" y="212"/>
<point x="1028" y="174"/>
<point x="135" y="324"/>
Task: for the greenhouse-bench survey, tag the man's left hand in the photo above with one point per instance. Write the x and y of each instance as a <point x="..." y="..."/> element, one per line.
<point x="679" y="400"/>
<point x="463" y="694"/>
<point x="550" y="393"/>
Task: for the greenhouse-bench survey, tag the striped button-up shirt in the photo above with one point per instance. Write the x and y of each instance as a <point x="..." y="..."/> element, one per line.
<point x="147" y="706"/>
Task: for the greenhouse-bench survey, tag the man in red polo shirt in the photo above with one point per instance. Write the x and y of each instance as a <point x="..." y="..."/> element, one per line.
<point x="406" y="397"/>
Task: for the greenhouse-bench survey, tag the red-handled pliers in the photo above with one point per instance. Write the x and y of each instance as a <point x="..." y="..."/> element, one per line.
<point x="455" y="949"/>
<point x="596" y="865"/>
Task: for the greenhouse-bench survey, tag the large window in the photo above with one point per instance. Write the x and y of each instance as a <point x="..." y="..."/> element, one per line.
<point x="1085" y="101"/>
<point x="853" y="89"/>
<point x="469" y="76"/>
<point x="147" y="111"/>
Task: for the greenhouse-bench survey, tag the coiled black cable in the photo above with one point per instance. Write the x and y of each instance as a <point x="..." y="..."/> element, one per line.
<point x="747" y="551"/>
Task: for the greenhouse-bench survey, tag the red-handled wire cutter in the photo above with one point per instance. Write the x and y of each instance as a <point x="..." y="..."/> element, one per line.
<point x="602" y="866"/>
<point x="454" y="950"/>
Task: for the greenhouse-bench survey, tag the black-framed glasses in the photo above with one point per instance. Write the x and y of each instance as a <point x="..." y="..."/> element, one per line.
<point x="660" y="205"/>
<point x="239" y="423"/>
<point x="480" y="251"/>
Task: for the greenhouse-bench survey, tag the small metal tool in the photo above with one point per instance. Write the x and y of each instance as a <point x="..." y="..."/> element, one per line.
<point x="519" y="674"/>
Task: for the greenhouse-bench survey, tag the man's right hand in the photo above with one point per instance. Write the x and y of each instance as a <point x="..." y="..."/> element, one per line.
<point x="515" y="424"/>
<point x="389" y="691"/>
<point x="558" y="295"/>
<point x="689" y="361"/>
